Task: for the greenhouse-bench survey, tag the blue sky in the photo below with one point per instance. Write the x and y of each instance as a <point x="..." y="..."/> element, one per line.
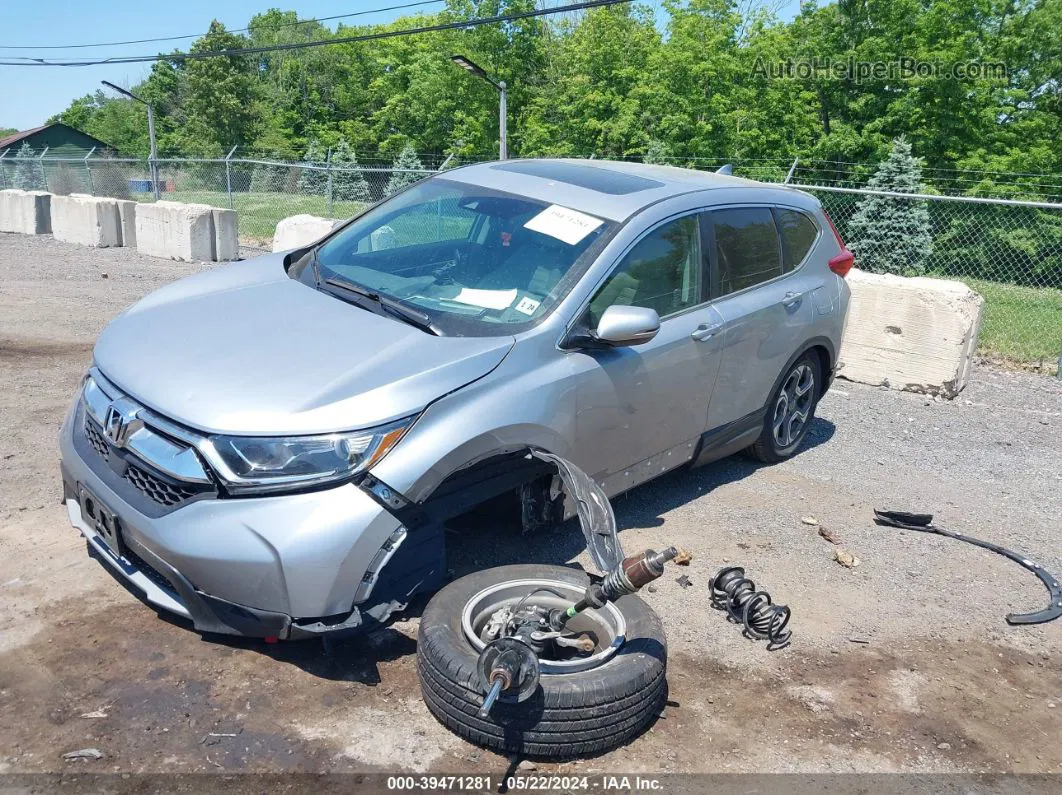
<point x="30" y="94"/>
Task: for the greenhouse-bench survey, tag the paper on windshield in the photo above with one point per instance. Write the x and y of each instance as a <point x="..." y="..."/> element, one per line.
<point x="486" y="299"/>
<point x="527" y="306"/>
<point x="563" y="223"/>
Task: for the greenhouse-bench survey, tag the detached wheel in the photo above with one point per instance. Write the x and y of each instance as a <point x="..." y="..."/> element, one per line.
<point x="789" y="412"/>
<point x="582" y="706"/>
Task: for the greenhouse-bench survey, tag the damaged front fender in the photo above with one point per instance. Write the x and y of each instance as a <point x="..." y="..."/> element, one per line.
<point x="596" y="518"/>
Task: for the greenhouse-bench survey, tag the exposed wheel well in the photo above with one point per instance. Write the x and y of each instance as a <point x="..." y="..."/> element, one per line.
<point x="822" y="355"/>
<point x="481" y="483"/>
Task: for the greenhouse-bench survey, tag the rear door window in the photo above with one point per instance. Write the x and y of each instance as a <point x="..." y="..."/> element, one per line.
<point x="747" y="250"/>
<point x="798" y="234"/>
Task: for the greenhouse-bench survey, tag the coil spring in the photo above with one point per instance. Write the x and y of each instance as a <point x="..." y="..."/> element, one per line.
<point x="616" y="584"/>
<point x="735" y="593"/>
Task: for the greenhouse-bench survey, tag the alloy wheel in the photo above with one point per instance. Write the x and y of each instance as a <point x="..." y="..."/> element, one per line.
<point x="793" y="407"/>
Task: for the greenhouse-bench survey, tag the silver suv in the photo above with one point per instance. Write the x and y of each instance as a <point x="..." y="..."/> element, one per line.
<point x="271" y="448"/>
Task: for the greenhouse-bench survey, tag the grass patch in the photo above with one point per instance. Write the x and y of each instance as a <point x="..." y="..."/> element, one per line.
<point x="260" y="212"/>
<point x="1021" y="324"/>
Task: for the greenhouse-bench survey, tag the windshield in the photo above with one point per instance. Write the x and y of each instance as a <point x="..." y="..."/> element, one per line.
<point x="476" y="261"/>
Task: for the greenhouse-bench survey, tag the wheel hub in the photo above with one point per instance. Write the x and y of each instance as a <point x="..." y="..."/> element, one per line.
<point x="793" y="407"/>
<point x="487" y="612"/>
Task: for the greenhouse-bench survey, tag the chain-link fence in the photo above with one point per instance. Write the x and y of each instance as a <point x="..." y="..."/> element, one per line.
<point x="261" y="191"/>
<point x="1007" y="250"/>
<point x="1010" y="251"/>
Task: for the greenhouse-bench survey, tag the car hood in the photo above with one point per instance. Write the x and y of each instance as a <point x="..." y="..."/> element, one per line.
<point x="244" y="349"/>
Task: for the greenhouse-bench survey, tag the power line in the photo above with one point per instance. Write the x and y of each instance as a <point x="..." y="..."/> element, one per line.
<point x="197" y="35"/>
<point x="387" y="34"/>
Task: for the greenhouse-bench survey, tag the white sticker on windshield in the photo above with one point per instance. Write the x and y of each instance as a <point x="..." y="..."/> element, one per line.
<point x="571" y="226"/>
<point x="486" y="299"/>
<point x="527" y="306"/>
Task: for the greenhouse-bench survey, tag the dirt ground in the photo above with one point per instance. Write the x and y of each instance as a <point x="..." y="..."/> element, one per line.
<point x="903" y="663"/>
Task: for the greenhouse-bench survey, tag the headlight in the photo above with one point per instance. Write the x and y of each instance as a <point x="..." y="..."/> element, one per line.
<point x="261" y="464"/>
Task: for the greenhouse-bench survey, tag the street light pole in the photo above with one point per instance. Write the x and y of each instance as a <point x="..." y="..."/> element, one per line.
<point x="466" y="64"/>
<point x="503" y="144"/>
<point x="153" y="158"/>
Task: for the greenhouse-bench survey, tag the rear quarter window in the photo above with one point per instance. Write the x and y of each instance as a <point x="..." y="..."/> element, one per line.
<point x="746" y="248"/>
<point x="798" y="234"/>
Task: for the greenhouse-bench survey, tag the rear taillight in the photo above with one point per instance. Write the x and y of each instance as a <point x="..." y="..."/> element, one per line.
<point x="844" y="261"/>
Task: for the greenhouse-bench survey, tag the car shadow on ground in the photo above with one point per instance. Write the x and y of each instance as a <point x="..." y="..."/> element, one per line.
<point x="492" y="537"/>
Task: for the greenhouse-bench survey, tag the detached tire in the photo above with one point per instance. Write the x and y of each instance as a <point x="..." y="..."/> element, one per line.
<point x="569" y="715"/>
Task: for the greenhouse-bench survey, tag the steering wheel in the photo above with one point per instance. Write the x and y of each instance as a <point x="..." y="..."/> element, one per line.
<point x="444" y="274"/>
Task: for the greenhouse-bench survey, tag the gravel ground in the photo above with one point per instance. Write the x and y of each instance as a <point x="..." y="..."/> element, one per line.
<point x="903" y="663"/>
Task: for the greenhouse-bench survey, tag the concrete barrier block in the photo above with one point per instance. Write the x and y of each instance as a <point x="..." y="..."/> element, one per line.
<point x="197" y="245"/>
<point x="175" y="231"/>
<point x="27" y="212"/>
<point x="914" y="334"/>
<point x="226" y="235"/>
<point x="301" y="230"/>
<point x="7" y="210"/>
<point x="127" y="221"/>
<point x="37" y="213"/>
<point x="86" y="221"/>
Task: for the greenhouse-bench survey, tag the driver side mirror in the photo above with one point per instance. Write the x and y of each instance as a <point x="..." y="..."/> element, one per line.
<point x="621" y="326"/>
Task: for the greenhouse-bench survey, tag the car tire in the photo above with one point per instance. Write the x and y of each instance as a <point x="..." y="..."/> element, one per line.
<point x="796" y="396"/>
<point x="568" y="715"/>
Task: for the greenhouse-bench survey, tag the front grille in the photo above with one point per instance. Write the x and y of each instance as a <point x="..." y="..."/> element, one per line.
<point x="123" y="471"/>
<point x="95" y="438"/>
<point x="156" y="489"/>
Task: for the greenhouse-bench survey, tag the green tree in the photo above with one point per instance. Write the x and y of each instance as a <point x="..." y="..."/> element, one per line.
<point x="590" y="98"/>
<point x="273" y="177"/>
<point x="411" y="166"/>
<point x="657" y="153"/>
<point x="219" y="96"/>
<point x="348" y="181"/>
<point x="119" y="123"/>
<point x="28" y="174"/>
<point x="890" y="235"/>
<point x="312" y="181"/>
<point x="688" y="74"/>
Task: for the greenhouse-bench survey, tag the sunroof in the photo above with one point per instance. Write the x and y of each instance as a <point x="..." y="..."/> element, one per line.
<point x="602" y="180"/>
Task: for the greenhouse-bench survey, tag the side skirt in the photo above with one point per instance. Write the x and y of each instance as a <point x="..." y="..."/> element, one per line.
<point x="730" y="438"/>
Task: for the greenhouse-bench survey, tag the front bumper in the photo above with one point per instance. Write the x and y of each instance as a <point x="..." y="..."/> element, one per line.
<point x="279" y="566"/>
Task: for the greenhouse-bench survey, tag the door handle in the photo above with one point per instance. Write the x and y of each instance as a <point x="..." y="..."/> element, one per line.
<point x="706" y="331"/>
<point x="792" y="299"/>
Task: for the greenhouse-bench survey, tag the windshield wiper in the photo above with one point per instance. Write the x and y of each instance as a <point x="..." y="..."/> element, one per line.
<point x="395" y="308"/>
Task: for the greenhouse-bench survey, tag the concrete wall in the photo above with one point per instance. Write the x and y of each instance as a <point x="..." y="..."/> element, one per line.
<point x="301" y="230"/>
<point x="913" y="334"/>
<point x="86" y="221"/>
<point x="189" y="232"/>
<point x="25" y="212"/>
